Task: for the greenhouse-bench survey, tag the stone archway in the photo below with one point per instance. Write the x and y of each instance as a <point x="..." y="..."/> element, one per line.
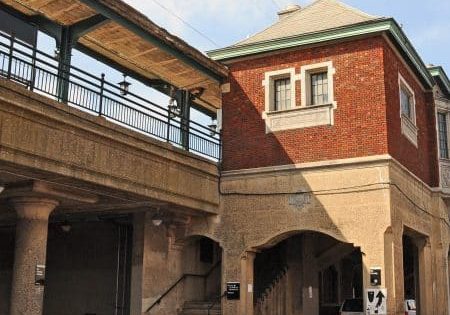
<point x="304" y="272"/>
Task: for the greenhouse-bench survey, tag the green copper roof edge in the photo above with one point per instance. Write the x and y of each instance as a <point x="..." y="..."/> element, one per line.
<point x="293" y="41"/>
<point x="377" y="26"/>
<point x="438" y="71"/>
<point x="410" y="52"/>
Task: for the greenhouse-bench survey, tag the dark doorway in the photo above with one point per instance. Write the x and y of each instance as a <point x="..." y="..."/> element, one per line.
<point x="88" y="268"/>
<point x="411" y="270"/>
<point x="308" y="273"/>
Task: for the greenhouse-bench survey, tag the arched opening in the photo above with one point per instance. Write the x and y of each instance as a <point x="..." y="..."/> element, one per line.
<point x="308" y="273"/>
<point x="202" y="261"/>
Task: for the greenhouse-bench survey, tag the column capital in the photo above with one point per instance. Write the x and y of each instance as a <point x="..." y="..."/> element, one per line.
<point x="33" y="208"/>
<point x="249" y="255"/>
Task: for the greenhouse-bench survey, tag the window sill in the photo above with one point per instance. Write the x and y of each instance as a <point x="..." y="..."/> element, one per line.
<point x="299" y="117"/>
<point x="409" y="130"/>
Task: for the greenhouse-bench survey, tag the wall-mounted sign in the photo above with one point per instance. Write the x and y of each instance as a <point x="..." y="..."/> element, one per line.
<point x="375" y="302"/>
<point x="375" y="276"/>
<point x="39" y="275"/>
<point x="233" y="290"/>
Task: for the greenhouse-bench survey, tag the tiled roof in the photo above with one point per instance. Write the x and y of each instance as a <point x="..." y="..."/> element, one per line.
<point x="319" y="16"/>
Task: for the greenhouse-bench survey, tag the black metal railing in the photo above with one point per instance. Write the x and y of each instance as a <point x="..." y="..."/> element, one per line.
<point x="42" y="73"/>
<point x="181" y="279"/>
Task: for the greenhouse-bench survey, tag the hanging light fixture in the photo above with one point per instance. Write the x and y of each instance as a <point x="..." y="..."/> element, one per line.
<point x="57" y="53"/>
<point x="212" y="127"/>
<point x="66" y="227"/>
<point x="1" y="189"/>
<point x="174" y="110"/>
<point x="124" y="85"/>
<point x="157" y="219"/>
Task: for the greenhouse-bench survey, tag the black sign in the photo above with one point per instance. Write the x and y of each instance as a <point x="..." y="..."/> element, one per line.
<point x="375" y="276"/>
<point x="233" y="290"/>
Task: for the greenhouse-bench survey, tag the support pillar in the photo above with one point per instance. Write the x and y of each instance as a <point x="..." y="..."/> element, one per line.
<point x="184" y="98"/>
<point x="247" y="286"/>
<point x="425" y="277"/>
<point x="30" y="250"/>
<point x="393" y="244"/>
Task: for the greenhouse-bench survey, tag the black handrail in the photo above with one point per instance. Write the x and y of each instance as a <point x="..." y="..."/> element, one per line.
<point x="184" y="276"/>
<point x="219" y="299"/>
<point x="41" y="72"/>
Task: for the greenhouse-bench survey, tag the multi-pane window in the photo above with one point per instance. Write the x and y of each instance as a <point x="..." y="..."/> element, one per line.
<point x="319" y="88"/>
<point x="443" y="136"/>
<point x="406" y="100"/>
<point x="282" y="95"/>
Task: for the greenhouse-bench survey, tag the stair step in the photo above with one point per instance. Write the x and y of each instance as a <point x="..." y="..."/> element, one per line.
<point x="200" y="308"/>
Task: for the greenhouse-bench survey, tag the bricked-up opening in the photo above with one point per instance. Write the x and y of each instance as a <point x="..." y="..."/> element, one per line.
<point x="309" y="273"/>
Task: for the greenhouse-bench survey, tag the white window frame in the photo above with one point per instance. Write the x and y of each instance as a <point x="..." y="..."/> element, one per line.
<point x="269" y="86"/>
<point x="305" y="74"/>
<point x="408" y="124"/>
<point x="299" y="115"/>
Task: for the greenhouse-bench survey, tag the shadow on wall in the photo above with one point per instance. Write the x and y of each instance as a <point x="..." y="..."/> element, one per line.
<point x="262" y="210"/>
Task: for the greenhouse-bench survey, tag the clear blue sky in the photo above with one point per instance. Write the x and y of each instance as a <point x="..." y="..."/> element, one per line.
<point x="427" y="23"/>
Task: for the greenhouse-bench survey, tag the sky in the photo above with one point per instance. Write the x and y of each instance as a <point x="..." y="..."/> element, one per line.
<point x="224" y="22"/>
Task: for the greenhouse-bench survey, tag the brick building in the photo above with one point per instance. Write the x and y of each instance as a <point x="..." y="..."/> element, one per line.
<point x="331" y="162"/>
<point x="325" y="178"/>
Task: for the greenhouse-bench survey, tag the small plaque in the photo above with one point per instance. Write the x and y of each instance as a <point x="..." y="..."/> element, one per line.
<point x="39" y="276"/>
<point x="233" y="290"/>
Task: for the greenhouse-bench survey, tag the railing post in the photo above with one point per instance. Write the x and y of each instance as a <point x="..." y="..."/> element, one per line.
<point x="33" y="68"/>
<point x="185" y="118"/>
<point x="65" y="57"/>
<point x="10" y="56"/>
<point x="102" y="87"/>
<point x="168" y="125"/>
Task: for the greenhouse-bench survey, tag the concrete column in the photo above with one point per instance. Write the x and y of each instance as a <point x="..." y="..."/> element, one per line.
<point x="425" y="277"/>
<point x="310" y="283"/>
<point x="30" y="250"/>
<point x="393" y="244"/>
<point x="247" y="286"/>
<point x="294" y="277"/>
<point x="137" y="264"/>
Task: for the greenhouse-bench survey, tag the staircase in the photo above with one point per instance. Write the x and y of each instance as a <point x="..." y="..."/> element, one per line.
<point x="270" y="284"/>
<point x="201" y="308"/>
<point x="271" y="300"/>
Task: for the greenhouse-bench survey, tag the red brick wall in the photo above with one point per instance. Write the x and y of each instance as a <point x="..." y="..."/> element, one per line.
<point x="367" y="119"/>
<point x="359" y="126"/>
<point x="421" y="160"/>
